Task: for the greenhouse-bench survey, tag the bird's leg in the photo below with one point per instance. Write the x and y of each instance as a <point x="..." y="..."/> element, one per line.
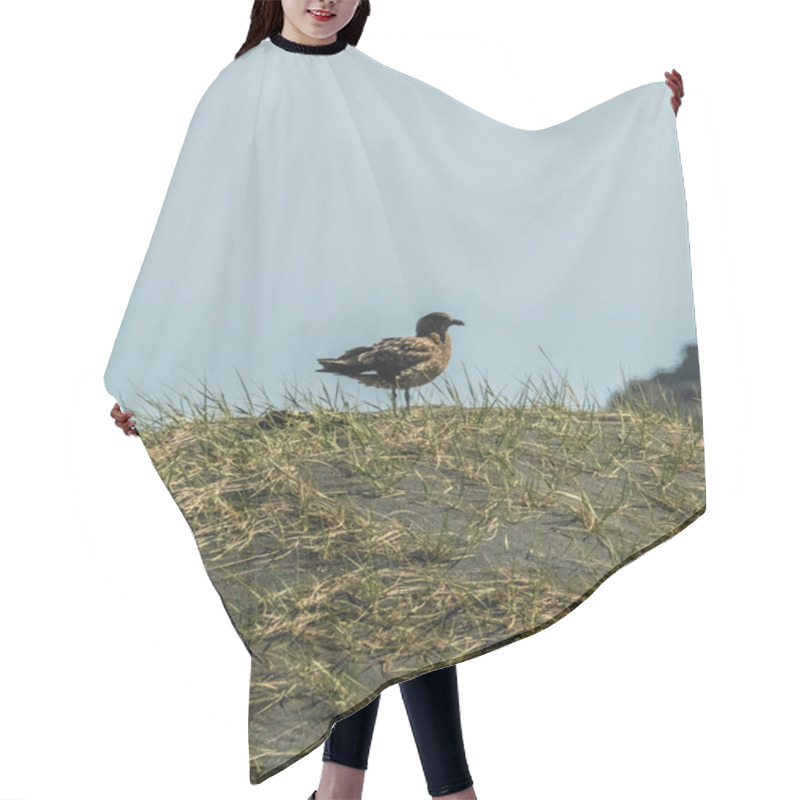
<point x="408" y="400"/>
<point x="394" y="399"/>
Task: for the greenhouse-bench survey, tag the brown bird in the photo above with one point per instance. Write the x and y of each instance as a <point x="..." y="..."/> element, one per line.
<point x="399" y="362"/>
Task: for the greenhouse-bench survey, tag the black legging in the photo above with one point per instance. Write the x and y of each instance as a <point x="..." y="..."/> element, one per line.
<point x="432" y="706"/>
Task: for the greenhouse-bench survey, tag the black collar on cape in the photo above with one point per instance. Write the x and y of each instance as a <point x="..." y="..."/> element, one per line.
<point x="309" y="49"/>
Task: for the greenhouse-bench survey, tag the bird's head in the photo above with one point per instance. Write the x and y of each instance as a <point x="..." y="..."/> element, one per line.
<point x="437" y="322"/>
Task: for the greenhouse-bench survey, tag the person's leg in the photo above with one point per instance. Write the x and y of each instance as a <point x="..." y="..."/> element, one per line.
<point x="433" y="710"/>
<point x="346" y="753"/>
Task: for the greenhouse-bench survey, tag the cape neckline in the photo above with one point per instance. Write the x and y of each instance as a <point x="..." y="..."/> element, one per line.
<point x="309" y="49"/>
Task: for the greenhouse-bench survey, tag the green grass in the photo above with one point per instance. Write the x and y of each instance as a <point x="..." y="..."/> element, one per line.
<point x="358" y="547"/>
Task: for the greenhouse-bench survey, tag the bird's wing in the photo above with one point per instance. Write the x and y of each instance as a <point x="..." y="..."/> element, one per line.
<point x="398" y="353"/>
<point x="352" y="354"/>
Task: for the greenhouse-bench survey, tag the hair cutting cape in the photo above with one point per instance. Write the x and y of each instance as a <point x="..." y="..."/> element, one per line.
<point x="419" y="381"/>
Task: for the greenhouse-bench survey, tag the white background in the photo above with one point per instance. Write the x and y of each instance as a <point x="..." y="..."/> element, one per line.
<point x="120" y="674"/>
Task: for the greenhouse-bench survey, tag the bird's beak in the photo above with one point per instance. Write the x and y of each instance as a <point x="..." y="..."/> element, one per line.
<point x="456" y="322"/>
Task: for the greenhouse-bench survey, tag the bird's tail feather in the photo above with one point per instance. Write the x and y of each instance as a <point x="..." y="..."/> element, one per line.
<point x="340" y="367"/>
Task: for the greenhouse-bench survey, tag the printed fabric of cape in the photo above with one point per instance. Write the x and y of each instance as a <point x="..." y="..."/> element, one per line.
<point x="419" y="381"/>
